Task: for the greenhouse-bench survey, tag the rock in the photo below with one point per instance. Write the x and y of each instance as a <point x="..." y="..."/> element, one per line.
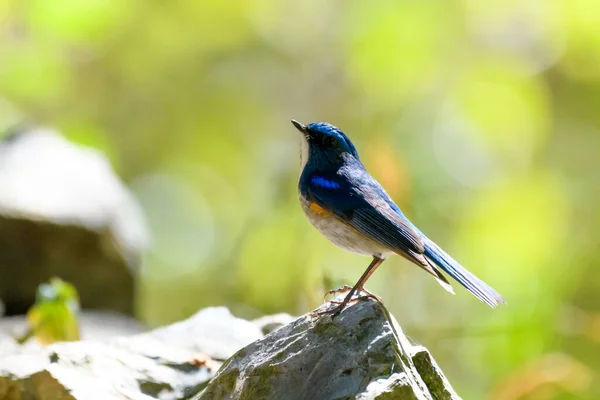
<point x="269" y="323"/>
<point x="360" y="354"/>
<point x="431" y="374"/>
<point x="174" y="362"/>
<point x="397" y="386"/>
<point x="64" y="212"/>
<point x="213" y="331"/>
<point x="89" y="370"/>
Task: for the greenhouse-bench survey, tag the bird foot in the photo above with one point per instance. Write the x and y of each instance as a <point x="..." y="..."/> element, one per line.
<point x="347" y="288"/>
<point x="342" y="304"/>
<point x="343" y="289"/>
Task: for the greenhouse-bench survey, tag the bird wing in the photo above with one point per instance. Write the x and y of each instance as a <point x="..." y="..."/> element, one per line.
<point x="366" y="207"/>
<point x="361" y="202"/>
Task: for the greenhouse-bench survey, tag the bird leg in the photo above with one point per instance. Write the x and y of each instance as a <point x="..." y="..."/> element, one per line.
<point x="358" y="286"/>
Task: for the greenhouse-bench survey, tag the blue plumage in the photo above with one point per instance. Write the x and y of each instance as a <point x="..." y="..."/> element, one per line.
<point x="322" y="182"/>
<point x="361" y="217"/>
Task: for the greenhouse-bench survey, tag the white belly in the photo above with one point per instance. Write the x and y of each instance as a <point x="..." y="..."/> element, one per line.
<point x="341" y="234"/>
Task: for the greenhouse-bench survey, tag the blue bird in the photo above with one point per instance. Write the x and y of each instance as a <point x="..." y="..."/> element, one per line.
<point x="351" y="209"/>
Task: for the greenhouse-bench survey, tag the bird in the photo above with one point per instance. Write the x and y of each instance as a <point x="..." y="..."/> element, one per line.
<point x="351" y="209"/>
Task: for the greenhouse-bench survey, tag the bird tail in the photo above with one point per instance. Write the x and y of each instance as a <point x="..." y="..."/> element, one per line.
<point x="473" y="284"/>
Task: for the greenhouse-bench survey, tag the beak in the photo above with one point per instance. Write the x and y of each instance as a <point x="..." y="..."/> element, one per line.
<point x="300" y="127"/>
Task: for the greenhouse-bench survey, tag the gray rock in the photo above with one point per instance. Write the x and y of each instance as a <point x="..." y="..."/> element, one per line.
<point x="432" y="374"/>
<point x="269" y="323"/>
<point x="397" y="386"/>
<point x="213" y="331"/>
<point x="64" y="212"/>
<point x="89" y="370"/>
<point x="361" y="354"/>
<point x="173" y="362"/>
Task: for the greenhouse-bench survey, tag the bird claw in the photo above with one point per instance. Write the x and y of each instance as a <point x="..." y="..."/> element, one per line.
<point x="370" y="296"/>
<point x="336" y="310"/>
<point x="342" y="289"/>
<point x="341" y="305"/>
<point x="347" y="288"/>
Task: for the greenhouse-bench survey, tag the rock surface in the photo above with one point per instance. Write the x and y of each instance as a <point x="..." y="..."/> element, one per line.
<point x="174" y="362"/>
<point x="94" y="326"/>
<point x="65" y="213"/>
<point x="361" y="354"/>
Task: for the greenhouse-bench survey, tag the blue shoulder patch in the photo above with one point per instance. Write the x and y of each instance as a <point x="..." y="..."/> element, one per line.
<point x="324" y="182"/>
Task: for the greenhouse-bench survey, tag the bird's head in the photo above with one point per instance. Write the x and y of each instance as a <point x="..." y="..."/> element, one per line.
<point x="325" y="144"/>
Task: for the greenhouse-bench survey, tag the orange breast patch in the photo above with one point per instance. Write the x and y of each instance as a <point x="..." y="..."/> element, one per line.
<point x="317" y="209"/>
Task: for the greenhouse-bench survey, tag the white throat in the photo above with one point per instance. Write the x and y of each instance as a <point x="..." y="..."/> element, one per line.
<point x="304" y="153"/>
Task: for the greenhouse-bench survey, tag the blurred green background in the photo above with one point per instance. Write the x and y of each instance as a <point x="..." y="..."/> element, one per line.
<point x="480" y="118"/>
